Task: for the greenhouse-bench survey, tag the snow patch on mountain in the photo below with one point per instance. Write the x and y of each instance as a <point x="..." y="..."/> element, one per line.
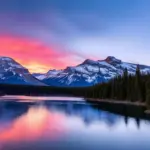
<point x="5" y="58"/>
<point x="13" y="73"/>
<point x="90" y="72"/>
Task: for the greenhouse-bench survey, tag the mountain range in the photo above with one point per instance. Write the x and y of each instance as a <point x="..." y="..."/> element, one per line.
<point x="88" y="73"/>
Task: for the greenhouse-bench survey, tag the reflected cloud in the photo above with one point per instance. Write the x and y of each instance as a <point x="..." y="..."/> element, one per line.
<point x="32" y="125"/>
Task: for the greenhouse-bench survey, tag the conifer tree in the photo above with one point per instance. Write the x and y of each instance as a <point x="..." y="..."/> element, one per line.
<point x="148" y="92"/>
<point x="138" y="95"/>
<point x="125" y="79"/>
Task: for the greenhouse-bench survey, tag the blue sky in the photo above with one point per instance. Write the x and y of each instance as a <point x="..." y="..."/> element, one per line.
<point x="85" y="28"/>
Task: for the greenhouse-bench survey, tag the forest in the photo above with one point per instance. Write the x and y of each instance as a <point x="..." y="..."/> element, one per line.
<point x="128" y="87"/>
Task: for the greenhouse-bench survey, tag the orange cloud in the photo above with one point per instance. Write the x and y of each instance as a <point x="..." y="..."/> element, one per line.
<point x="33" y="54"/>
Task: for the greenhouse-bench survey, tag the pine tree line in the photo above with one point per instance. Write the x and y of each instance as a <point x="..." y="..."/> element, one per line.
<point x="128" y="87"/>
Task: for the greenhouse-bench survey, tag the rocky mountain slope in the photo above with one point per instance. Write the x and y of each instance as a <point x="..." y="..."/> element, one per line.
<point x="89" y="72"/>
<point x="13" y="73"/>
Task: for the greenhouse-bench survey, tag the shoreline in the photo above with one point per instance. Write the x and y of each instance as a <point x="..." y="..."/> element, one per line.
<point x="147" y="111"/>
<point x="116" y="102"/>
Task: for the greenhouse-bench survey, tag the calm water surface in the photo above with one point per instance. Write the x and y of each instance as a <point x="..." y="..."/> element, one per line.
<point x="35" y="123"/>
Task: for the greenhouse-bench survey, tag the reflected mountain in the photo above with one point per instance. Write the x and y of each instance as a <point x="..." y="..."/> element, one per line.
<point x="85" y="112"/>
<point x="10" y="111"/>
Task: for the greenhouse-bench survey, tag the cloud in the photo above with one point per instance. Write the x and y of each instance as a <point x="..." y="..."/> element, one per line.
<point x="35" y="55"/>
<point x="69" y="33"/>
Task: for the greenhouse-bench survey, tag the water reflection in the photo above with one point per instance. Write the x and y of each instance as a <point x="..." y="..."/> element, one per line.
<point x="32" y="125"/>
<point x="68" y="126"/>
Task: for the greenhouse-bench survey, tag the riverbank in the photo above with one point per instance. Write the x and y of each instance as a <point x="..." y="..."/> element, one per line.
<point x="116" y="102"/>
<point x="121" y="102"/>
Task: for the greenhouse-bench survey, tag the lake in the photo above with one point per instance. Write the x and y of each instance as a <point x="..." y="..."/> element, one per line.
<point x="58" y="123"/>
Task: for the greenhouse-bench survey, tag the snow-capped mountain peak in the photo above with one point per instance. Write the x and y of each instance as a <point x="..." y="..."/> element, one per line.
<point x="90" y="62"/>
<point x="8" y="64"/>
<point x="111" y="60"/>
<point x="90" y="72"/>
<point x="14" y="73"/>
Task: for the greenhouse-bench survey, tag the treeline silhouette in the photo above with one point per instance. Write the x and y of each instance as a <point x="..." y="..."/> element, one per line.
<point x="31" y="90"/>
<point x="128" y="87"/>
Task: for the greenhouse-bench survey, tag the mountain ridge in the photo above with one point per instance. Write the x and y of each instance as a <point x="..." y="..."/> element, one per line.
<point x="90" y="72"/>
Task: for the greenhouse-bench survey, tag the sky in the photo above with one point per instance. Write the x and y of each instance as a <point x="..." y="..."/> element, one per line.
<point x="54" y="34"/>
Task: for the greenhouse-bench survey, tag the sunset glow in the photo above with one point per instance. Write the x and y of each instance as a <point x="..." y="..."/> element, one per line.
<point x="32" y="54"/>
<point x="50" y="34"/>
